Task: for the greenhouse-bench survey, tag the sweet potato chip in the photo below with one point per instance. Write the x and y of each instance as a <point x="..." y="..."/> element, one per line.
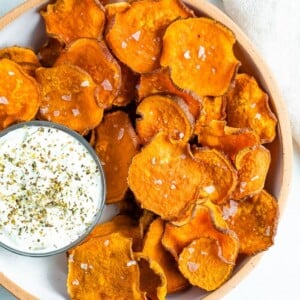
<point x="252" y="165"/>
<point x="220" y="176"/>
<point x="68" y="20"/>
<point x="116" y="144"/>
<point x="205" y="223"/>
<point x="165" y="179"/>
<point x="145" y="220"/>
<point x="213" y="108"/>
<point x="224" y="138"/>
<point x="25" y="57"/>
<point x="94" y="57"/>
<point x="104" y="268"/>
<point x="68" y="97"/>
<point x="123" y="224"/>
<point x="152" y="278"/>
<point x="200" y="263"/>
<point x="127" y="91"/>
<point x="159" y="81"/>
<point x="19" y="94"/>
<point x="49" y="52"/>
<point x="200" y="55"/>
<point x="248" y="106"/>
<point x="154" y="249"/>
<point x="254" y="220"/>
<point x="113" y="8"/>
<point x="135" y="34"/>
<point x="162" y="113"/>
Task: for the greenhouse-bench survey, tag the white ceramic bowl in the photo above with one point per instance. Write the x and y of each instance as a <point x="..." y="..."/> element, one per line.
<point x="26" y="19"/>
<point x="59" y="237"/>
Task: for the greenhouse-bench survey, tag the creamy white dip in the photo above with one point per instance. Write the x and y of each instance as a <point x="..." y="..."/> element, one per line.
<point x="51" y="189"/>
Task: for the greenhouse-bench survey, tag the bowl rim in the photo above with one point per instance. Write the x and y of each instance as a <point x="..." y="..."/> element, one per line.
<point x="284" y="130"/>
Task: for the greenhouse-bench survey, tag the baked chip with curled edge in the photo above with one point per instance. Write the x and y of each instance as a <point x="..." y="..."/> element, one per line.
<point x="220" y="178"/>
<point x="95" y="58"/>
<point x="127" y="92"/>
<point x="199" y="53"/>
<point x="252" y="165"/>
<point x="116" y="144"/>
<point x="68" y="97"/>
<point x="212" y="108"/>
<point x="152" y="277"/>
<point x="165" y="178"/>
<point x="19" y="94"/>
<point x="104" y="268"/>
<point x="230" y="140"/>
<point x="254" y="220"/>
<point x="135" y="34"/>
<point x="50" y="51"/>
<point x="123" y="224"/>
<point x="68" y="20"/>
<point x="164" y="113"/>
<point x="159" y="82"/>
<point x="200" y="263"/>
<point x="25" y="57"/>
<point x="154" y="249"/>
<point x="248" y="106"/>
<point x="205" y="223"/>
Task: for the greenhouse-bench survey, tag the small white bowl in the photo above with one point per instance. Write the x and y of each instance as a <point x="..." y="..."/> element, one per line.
<point x="53" y="185"/>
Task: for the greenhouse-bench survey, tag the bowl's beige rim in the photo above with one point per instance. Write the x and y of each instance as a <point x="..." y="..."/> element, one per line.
<point x="282" y="115"/>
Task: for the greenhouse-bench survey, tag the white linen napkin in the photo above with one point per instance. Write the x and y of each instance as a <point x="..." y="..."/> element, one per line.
<point x="274" y="28"/>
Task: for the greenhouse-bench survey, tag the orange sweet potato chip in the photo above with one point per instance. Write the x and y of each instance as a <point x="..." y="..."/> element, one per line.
<point x="200" y="263"/>
<point x="127" y="91"/>
<point x="165" y="179"/>
<point x="50" y="51"/>
<point x="68" y="97"/>
<point x="220" y="175"/>
<point x="159" y="81"/>
<point x="228" y="139"/>
<point x="154" y="249"/>
<point x="213" y="108"/>
<point x="104" y="268"/>
<point x="116" y="144"/>
<point x="19" y="94"/>
<point x="162" y="113"/>
<point x="94" y="57"/>
<point x="248" y="106"/>
<point x="200" y="55"/>
<point x="112" y="8"/>
<point x="152" y="278"/>
<point x="252" y="165"/>
<point x="123" y="224"/>
<point x="145" y="220"/>
<point x="254" y="220"/>
<point x="137" y="42"/>
<point x="205" y="223"/>
<point x="25" y="57"/>
<point x="68" y="20"/>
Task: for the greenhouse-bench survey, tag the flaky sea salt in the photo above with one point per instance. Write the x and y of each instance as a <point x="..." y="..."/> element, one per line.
<point x="120" y="134"/>
<point x="106" y="85"/>
<point x="192" y="266"/>
<point x="187" y="54"/>
<point x="3" y="100"/>
<point x="136" y="35"/>
<point x="131" y="263"/>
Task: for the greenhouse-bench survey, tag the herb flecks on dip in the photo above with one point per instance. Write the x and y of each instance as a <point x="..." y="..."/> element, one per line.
<point x="50" y="189"/>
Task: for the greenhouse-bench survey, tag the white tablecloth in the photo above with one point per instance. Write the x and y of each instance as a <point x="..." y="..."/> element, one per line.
<point x="277" y="276"/>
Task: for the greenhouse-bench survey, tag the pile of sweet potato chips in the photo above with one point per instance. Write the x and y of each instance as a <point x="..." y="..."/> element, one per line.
<point x="181" y="133"/>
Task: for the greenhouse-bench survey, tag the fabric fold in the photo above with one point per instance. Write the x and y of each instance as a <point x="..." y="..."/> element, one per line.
<point x="274" y="28"/>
